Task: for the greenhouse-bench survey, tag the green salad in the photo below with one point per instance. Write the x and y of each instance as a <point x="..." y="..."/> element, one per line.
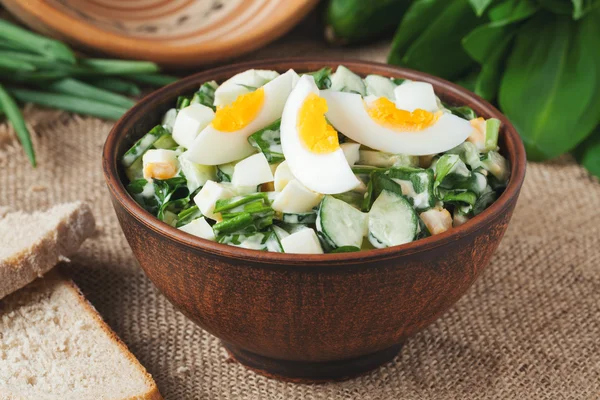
<point x="320" y="162"/>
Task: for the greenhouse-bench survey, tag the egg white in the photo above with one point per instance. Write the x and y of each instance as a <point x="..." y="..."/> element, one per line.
<point x="347" y="113"/>
<point x="322" y="173"/>
<point x="213" y="147"/>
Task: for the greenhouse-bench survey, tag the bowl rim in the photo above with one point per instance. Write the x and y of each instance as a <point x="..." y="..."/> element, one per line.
<point x="514" y="149"/>
<point x="87" y="34"/>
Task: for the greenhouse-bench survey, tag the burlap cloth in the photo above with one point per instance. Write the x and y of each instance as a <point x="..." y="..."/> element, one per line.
<point x="528" y="329"/>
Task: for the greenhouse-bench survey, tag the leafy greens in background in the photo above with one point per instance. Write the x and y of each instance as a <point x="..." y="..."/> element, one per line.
<point x="539" y="60"/>
<point x="44" y="71"/>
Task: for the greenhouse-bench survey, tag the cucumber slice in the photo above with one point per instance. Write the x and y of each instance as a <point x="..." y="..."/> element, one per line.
<point x="339" y="224"/>
<point x="392" y="221"/>
<point x="135" y="171"/>
<point x="166" y="142"/>
<point x="345" y="80"/>
<point x="386" y="160"/>
<point x="380" y="86"/>
<point x="196" y="175"/>
<point x="299" y="218"/>
<point x="225" y="172"/>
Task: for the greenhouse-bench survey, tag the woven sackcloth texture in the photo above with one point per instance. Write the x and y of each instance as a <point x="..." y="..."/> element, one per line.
<point x="528" y="329"/>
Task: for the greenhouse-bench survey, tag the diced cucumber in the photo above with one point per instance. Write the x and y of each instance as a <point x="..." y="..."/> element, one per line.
<point x="197" y="175"/>
<point x="169" y="218"/>
<point x="497" y="165"/>
<point x="275" y="238"/>
<point x="299" y="218"/>
<point x="340" y="224"/>
<point x="169" y="119"/>
<point x="468" y="153"/>
<point x="165" y="142"/>
<point x="492" y="129"/>
<point x="135" y="171"/>
<point x="392" y="221"/>
<point x="345" y="80"/>
<point x="351" y="152"/>
<point x="141" y="146"/>
<point x="386" y="160"/>
<point x="268" y="141"/>
<point x="225" y="172"/>
<point x="380" y="86"/>
<point x="476" y="183"/>
<point x="205" y="94"/>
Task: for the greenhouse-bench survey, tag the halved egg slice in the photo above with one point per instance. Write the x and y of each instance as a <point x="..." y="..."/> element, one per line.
<point x="225" y="139"/>
<point x="378" y="123"/>
<point x="310" y="145"/>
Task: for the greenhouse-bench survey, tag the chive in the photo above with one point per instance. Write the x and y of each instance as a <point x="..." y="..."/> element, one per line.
<point x="35" y="43"/>
<point x="118" y="67"/>
<point x="155" y="79"/>
<point x="35" y="76"/>
<point x="70" y="103"/>
<point x="12" y="64"/>
<point x="10" y="108"/>
<point x="116" y="85"/>
<point x="77" y="88"/>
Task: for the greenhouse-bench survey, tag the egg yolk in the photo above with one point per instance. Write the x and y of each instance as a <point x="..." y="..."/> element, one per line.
<point x="240" y="113"/>
<point x="318" y="136"/>
<point x="384" y="112"/>
<point x="160" y="170"/>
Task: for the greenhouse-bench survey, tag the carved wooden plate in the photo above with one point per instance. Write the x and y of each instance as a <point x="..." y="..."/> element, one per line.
<point x="180" y="33"/>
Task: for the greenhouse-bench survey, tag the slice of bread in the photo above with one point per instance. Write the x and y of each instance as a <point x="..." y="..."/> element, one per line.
<point x="55" y="346"/>
<point x="32" y="244"/>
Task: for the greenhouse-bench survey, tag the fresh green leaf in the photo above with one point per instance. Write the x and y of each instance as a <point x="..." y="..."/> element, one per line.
<point x="588" y="153"/>
<point x="322" y="78"/>
<point x="268" y="141"/>
<point x="206" y="94"/>
<point x="141" y="146"/>
<point x="551" y="83"/>
<point x="479" y="6"/>
<point x="431" y="31"/>
<point x="11" y="109"/>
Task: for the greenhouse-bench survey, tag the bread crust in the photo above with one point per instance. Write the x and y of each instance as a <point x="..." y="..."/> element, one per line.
<point x="26" y="265"/>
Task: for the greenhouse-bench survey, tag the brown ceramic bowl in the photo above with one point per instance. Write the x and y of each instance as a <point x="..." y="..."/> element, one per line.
<point x="309" y="317"/>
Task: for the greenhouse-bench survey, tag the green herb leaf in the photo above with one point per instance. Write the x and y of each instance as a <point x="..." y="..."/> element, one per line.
<point x="432" y="30"/>
<point x="550" y="86"/>
<point x="588" y="153"/>
<point x="479" y="6"/>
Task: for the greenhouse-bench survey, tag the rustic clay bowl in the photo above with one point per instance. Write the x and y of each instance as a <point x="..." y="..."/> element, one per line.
<point x="309" y="317"/>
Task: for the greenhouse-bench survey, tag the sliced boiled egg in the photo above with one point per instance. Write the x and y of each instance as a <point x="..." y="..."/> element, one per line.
<point x="160" y="164"/>
<point x="379" y="124"/>
<point x="252" y="171"/>
<point x="242" y="83"/>
<point x="310" y="145"/>
<point x="412" y="95"/>
<point x="225" y="139"/>
<point x="295" y="198"/>
<point x="189" y="122"/>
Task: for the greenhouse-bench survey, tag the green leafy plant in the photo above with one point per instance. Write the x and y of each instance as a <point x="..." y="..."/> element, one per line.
<point x="43" y="71"/>
<point x="539" y="60"/>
